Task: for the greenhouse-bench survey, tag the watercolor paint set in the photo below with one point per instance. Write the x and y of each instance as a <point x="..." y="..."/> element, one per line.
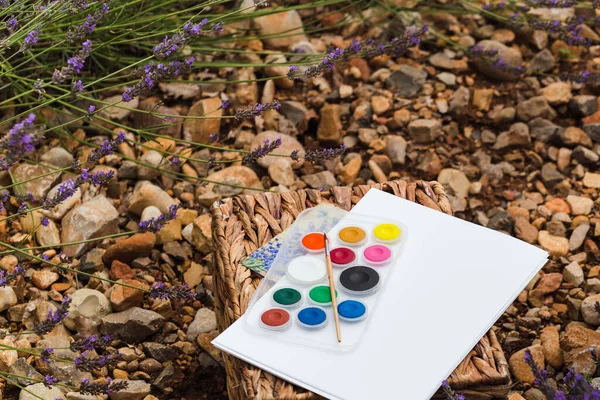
<point x="294" y="301"/>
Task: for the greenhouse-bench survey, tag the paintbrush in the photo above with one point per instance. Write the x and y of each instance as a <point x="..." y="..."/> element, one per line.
<point x="336" y="317"/>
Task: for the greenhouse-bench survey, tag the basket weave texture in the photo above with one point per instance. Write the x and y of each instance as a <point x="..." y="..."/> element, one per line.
<point x="245" y="223"/>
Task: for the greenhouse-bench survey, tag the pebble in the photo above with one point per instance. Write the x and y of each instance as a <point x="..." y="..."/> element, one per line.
<point x="8" y="357"/>
<point x="447" y="78"/>
<point x="147" y="194"/>
<point x="58" y="156"/>
<point x="407" y="81"/>
<point x="330" y="125"/>
<point x="288" y="144"/>
<point x="573" y="273"/>
<point x="578" y="236"/>
<point x="456" y="182"/>
<point x="424" y="130"/>
<point x="380" y="104"/>
<point x="199" y="130"/>
<point x="511" y="56"/>
<point x="120" y="111"/>
<point x="549" y="283"/>
<point x="40" y="391"/>
<point x="350" y="171"/>
<point x="580" y="205"/>
<point x="135" y="390"/>
<point x="396" y="149"/>
<point x="521" y="369"/>
<point x="282" y="172"/>
<point x="87" y="308"/>
<point x="525" y="231"/>
<point x="591" y="180"/>
<point x="150" y="164"/>
<point x="583" y="105"/>
<point x="273" y="25"/>
<point x="132" y="325"/>
<point x="535" y="107"/>
<point x="48" y="235"/>
<point x="95" y="218"/>
<point x="588" y="310"/>
<point x="557" y="93"/>
<point x="555" y="245"/>
<point x="137" y="246"/>
<point x="551" y="346"/>
<point x="543" y="61"/>
<point x="205" y="321"/>
<point x="516" y="137"/>
<point x="123" y="298"/>
<point x="40" y="187"/>
<point x="237" y="175"/>
<point x="42" y="279"/>
<point x="324" y="180"/>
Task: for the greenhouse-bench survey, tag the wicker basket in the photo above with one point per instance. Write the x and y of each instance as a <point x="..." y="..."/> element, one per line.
<point x="244" y="223"/>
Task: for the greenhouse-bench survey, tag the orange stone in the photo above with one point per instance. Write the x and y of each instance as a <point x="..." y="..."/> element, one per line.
<point x="558" y="205"/>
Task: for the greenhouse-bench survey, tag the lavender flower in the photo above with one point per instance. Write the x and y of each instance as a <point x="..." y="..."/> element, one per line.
<point x="49" y="380"/>
<point x="225" y="104"/>
<point x="218" y="28"/>
<point x="316" y="156"/>
<point x="100" y="388"/>
<point x="156" y="224"/>
<point x="69" y="187"/>
<point x="6" y="278"/>
<point x="161" y="291"/>
<point x="151" y="75"/>
<point x="77" y="86"/>
<point x="20" y="139"/>
<point x="78" y="5"/>
<point x="291" y="72"/>
<point x="4" y="196"/>
<point x="552" y="3"/>
<point x="256" y="110"/>
<point x="88" y="364"/>
<point x="578" y="387"/>
<point x="38" y="88"/>
<point x="90" y="112"/>
<point x="12" y="23"/>
<point x="571" y="33"/>
<point x="261" y="151"/>
<point x="80" y="32"/>
<point x="541" y="376"/>
<point x="170" y="45"/>
<point x="92" y="342"/>
<point x="45" y="221"/>
<point x="175" y="161"/>
<point x="494" y="7"/>
<point x="109" y="145"/>
<point x="451" y="394"/>
<point x="53" y="318"/>
<point x="31" y="38"/>
<point x="46" y="353"/>
<point x="74" y="64"/>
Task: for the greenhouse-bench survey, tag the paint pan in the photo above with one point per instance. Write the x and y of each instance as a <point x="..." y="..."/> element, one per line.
<point x="360" y="281"/>
<point x="287" y="297"/>
<point x="320" y="295"/>
<point x="387" y="233"/>
<point x="313" y="242"/>
<point x="276" y="319"/>
<point x="312" y="318"/>
<point x="342" y="257"/>
<point x="353" y="236"/>
<point x="378" y="255"/>
<point x="352" y="311"/>
<point x="306" y="270"/>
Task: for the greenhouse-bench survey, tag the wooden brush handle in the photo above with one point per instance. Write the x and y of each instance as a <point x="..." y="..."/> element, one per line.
<point x="336" y="316"/>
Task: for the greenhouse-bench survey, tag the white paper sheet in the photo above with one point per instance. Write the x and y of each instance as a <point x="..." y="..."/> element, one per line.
<point x="455" y="280"/>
